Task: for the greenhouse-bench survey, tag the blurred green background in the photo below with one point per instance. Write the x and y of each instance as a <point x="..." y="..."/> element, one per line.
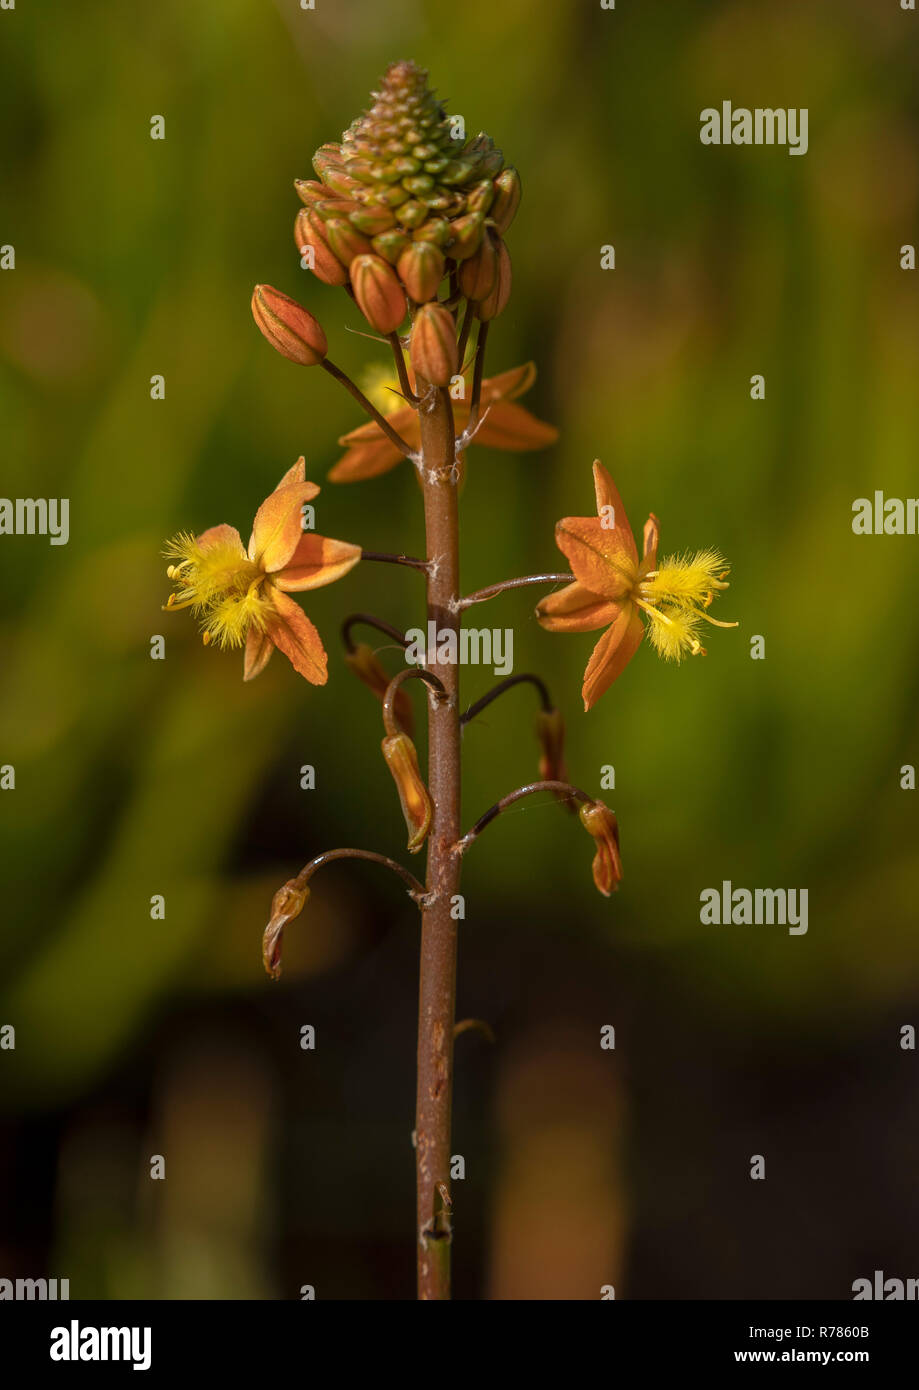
<point x="136" y="777"/>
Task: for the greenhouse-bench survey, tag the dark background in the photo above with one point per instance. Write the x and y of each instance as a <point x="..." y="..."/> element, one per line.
<point x="137" y="777"/>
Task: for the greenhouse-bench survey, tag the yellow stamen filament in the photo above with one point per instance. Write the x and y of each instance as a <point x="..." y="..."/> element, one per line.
<point x="222" y="586"/>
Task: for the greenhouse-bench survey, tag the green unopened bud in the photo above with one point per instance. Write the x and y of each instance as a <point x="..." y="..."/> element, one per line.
<point x="309" y="191"/>
<point x="372" y="221"/>
<point x="380" y="297"/>
<point x="507" y="199"/>
<point x="290" y="329"/>
<point x="436" y="229"/>
<point x="434" y="347"/>
<point x="402" y="761"/>
<point x="467" y="236"/>
<point x="421" y="269"/>
<point x="309" y="235"/>
<point x="391" y="244"/>
<point x="480" y="198"/>
<point x="496" y="302"/>
<point x="346" y="241"/>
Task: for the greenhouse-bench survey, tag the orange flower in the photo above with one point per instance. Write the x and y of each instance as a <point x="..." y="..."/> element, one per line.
<point x="613" y="588"/>
<point x="502" y="425"/>
<point x="241" y="596"/>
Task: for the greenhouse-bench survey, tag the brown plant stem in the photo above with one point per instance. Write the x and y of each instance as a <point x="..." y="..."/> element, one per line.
<point x="390" y="722"/>
<point x="368" y="620"/>
<point x="437" y="973"/>
<point x="395" y="342"/>
<point x="506" y="801"/>
<point x="368" y="406"/>
<point x="493" y="590"/>
<point x="383" y="557"/>
<point x="499" y="689"/>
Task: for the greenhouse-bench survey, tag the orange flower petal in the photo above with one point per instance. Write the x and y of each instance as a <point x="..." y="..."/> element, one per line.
<point x="507" y="386"/>
<point x="608" y="496"/>
<point x="221" y="535"/>
<point x="278" y="525"/>
<point x="365" y="461"/>
<point x="575" y="609"/>
<point x="514" y="428"/>
<point x="293" y="634"/>
<point x="315" y="562"/>
<point x="596" y="555"/>
<point x="403" y="420"/>
<point x="259" y="647"/>
<point x="612" y="653"/>
<point x="295" y="474"/>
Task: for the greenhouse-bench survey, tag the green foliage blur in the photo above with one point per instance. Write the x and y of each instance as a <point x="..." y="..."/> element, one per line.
<point x="137" y="257"/>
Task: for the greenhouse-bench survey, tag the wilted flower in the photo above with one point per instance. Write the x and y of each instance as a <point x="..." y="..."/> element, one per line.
<point x="613" y="588"/>
<point x="600" y="822"/>
<point x="241" y="596"/>
<point x="287" y="903"/>
<point x="402" y="761"/>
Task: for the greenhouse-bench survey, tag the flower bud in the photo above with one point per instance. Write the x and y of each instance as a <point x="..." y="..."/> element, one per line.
<point x="391" y="244"/>
<point x="467" y="236"/>
<point x="309" y="191"/>
<point x="287" y="903"/>
<point x="478" y="274"/>
<point x="289" y="328"/>
<point x="507" y="199"/>
<point x="433" y="349"/>
<point x="402" y="761"/>
<point x="366" y="665"/>
<point x="346" y="241"/>
<point x="372" y="221"/>
<point x="307" y="234"/>
<point x="599" y="821"/>
<point x="550" y="730"/>
<point x="496" y="302"/>
<point x="380" y="297"/>
<point x="436" y="229"/>
<point x="421" y="269"/>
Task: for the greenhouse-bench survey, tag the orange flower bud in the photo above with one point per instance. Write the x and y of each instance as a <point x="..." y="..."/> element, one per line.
<point x="599" y="821"/>
<point x="366" y="665"/>
<point x="402" y="760"/>
<point x="346" y="241"/>
<point x="380" y="297"/>
<point x="478" y="274"/>
<point x="290" y="329"/>
<point x="421" y="269"/>
<point x="496" y="302"/>
<point x="507" y="199"/>
<point x="434" y="347"/>
<point x="307" y="234"/>
<point x="550" y="730"/>
<point x="467" y="235"/>
<point x="287" y="903"/>
<point x="309" y="191"/>
<point x="372" y="221"/>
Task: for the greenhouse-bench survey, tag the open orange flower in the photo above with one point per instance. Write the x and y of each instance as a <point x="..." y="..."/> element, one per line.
<point x="241" y="596"/>
<point x="502" y="425"/>
<point x="613" y="588"/>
